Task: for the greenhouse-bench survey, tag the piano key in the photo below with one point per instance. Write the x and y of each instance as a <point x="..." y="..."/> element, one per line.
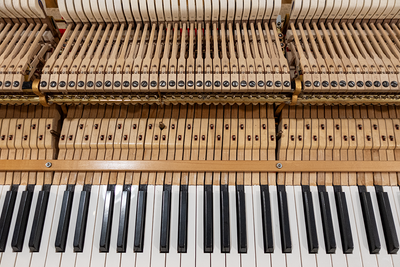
<point x="384" y="259"/>
<point x="323" y="259"/>
<point x="233" y="257"/>
<point x="98" y="258"/>
<point x="124" y="219"/>
<point x="129" y="257"/>
<point x="307" y="259"/>
<point x="107" y="219"/>
<point x="339" y="258"/>
<point x="394" y="199"/>
<point x="344" y="222"/>
<point x="22" y="219"/>
<point x="312" y="239"/>
<point x="183" y="219"/>
<point x="53" y="258"/>
<point x="249" y="258"/>
<point x="8" y="257"/>
<point x="24" y="256"/>
<point x="278" y="258"/>
<point x="217" y="257"/>
<point x="8" y="200"/>
<point x="293" y="258"/>
<point x="356" y="220"/>
<point x="284" y="223"/>
<point x="202" y="258"/>
<point x="140" y="218"/>
<point x="173" y="257"/>
<point x="241" y="219"/>
<point x="208" y="219"/>
<point x="189" y="258"/>
<point x="144" y="258"/>
<point x="385" y="211"/>
<point x="157" y="258"/>
<point x="165" y="219"/>
<point x="225" y="227"/>
<point x="81" y="221"/>
<point x="39" y="219"/>
<point x="266" y="219"/>
<point x="83" y="259"/>
<point x="326" y="219"/>
<point x="113" y="256"/>
<point x="40" y="257"/>
<point x="63" y="223"/>
<point x="369" y="221"/>
<point x="69" y="256"/>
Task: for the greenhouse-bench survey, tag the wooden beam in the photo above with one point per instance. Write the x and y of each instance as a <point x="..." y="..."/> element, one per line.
<point x="200" y="166"/>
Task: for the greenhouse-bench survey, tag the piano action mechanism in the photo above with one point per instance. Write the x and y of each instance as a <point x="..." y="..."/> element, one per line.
<point x="200" y="133"/>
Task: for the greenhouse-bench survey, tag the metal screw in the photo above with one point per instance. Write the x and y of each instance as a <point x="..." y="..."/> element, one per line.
<point x="48" y="164"/>
<point x="279" y="165"/>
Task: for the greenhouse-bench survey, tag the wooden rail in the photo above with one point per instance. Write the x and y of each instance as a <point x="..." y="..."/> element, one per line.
<point x="200" y="166"/>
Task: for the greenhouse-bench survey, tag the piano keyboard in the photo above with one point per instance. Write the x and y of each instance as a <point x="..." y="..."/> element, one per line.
<point x="157" y="218"/>
<point x="202" y="55"/>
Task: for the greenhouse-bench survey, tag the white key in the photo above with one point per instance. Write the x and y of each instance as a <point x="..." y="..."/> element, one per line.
<point x="369" y="260"/>
<point x="394" y="195"/>
<point x="53" y="258"/>
<point x="39" y="259"/>
<point x="233" y="258"/>
<point x="68" y="257"/>
<point x="8" y="258"/>
<point x="157" y="258"/>
<point x="24" y="257"/>
<point x="202" y="259"/>
<point x="129" y="257"/>
<point x="83" y="259"/>
<point x="98" y="258"/>
<point x="323" y="259"/>
<point x="277" y="257"/>
<point x="249" y="258"/>
<point x="384" y="259"/>
<point x="217" y="258"/>
<point x="307" y="259"/>
<point x="173" y="258"/>
<point x="293" y="259"/>
<point x="143" y="259"/>
<point x="189" y="258"/>
<point x="113" y="257"/>
<point x="262" y="259"/>
<point x="338" y="258"/>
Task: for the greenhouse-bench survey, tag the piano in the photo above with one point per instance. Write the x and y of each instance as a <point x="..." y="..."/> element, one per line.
<point x="200" y="133"/>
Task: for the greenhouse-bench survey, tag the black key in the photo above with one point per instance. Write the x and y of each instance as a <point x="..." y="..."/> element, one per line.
<point x="107" y="219"/>
<point x="6" y="216"/>
<point x="165" y="219"/>
<point x="241" y="219"/>
<point x="81" y="221"/>
<point x="183" y="219"/>
<point x="22" y="219"/>
<point x="124" y="219"/>
<point x="284" y="220"/>
<point x="374" y="243"/>
<point x="266" y="220"/>
<point x="312" y="238"/>
<point x="38" y="221"/>
<point x="140" y="219"/>
<point x="225" y="226"/>
<point x="63" y="222"/>
<point x="344" y="222"/>
<point x="327" y="224"/>
<point x="208" y="219"/>
<point x="389" y="230"/>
